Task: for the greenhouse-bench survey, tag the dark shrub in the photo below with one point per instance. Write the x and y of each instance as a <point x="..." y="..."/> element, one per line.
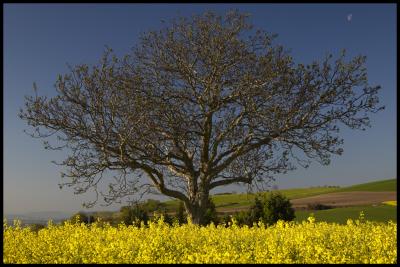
<point x="210" y="213"/>
<point x="277" y="207"/>
<point x="225" y="220"/>
<point x="241" y="218"/>
<point x="181" y="214"/>
<point x="168" y="219"/>
<point x="36" y="227"/>
<point x="318" y="206"/>
<point x="256" y="212"/>
<point x="268" y="209"/>
<point x="133" y="215"/>
<point x="152" y="205"/>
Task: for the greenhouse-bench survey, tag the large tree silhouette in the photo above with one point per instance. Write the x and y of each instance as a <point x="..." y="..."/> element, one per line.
<point x="204" y="102"/>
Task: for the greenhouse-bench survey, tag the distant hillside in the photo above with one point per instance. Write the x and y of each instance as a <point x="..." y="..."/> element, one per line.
<point x="40" y="217"/>
<point x="376" y="186"/>
<point x="245" y="200"/>
<point x="222" y="201"/>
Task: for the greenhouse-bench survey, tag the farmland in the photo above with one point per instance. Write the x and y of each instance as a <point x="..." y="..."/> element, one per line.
<point x="347" y="202"/>
<point x="285" y="242"/>
<point x="384" y="185"/>
<point x="345" y="233"/>
<point x="227" y="201"/>
<point x="367" y="196"/>
<point x="378" y="213"/>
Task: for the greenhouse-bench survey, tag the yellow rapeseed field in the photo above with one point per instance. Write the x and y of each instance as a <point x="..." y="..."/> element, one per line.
<point x="391" y="203"/>
<point x="306" y="242"/>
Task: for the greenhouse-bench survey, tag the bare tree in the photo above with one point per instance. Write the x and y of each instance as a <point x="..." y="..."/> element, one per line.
<point x="204" y="102"/>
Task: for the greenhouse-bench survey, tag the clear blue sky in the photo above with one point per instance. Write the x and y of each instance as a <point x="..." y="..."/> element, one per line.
<point x="39" y="39"/>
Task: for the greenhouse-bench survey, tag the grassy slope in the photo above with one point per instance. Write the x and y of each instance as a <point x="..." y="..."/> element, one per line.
<point x="380" y="213"/>
<point x="243" y="200"/>
<point x="384" y="185"/>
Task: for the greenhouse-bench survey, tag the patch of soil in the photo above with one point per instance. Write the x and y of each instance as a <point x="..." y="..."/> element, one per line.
<point x="340" y="199"/>
<point x="345" y="199"/>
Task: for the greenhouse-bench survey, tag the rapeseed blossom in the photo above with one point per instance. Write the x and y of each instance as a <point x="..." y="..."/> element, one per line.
<point x="285" y="242"/>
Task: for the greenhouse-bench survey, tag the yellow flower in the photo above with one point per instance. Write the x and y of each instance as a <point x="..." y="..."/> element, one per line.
<point x="306" y="242"/>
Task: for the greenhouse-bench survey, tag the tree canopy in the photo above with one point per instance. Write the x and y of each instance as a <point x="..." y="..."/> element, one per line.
<point x="203" y="102"/>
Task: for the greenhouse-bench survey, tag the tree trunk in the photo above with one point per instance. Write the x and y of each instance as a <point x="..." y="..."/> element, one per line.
<point x="197" y="208"/>
<point x="196" y="215"/>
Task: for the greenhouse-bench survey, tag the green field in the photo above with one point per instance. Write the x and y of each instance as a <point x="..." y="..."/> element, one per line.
<point x="380" y="213"/>
<point x="384" y="185"/>
<point x="245" y="200"/>
<point x="240" y="200"/>
<point x="384" y="212"/>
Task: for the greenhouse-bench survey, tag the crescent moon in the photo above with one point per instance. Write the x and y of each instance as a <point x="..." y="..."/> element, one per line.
<point x="349" y="17"/>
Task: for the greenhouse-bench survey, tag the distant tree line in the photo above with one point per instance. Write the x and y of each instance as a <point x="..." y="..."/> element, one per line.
<point x="265" y="208"/>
